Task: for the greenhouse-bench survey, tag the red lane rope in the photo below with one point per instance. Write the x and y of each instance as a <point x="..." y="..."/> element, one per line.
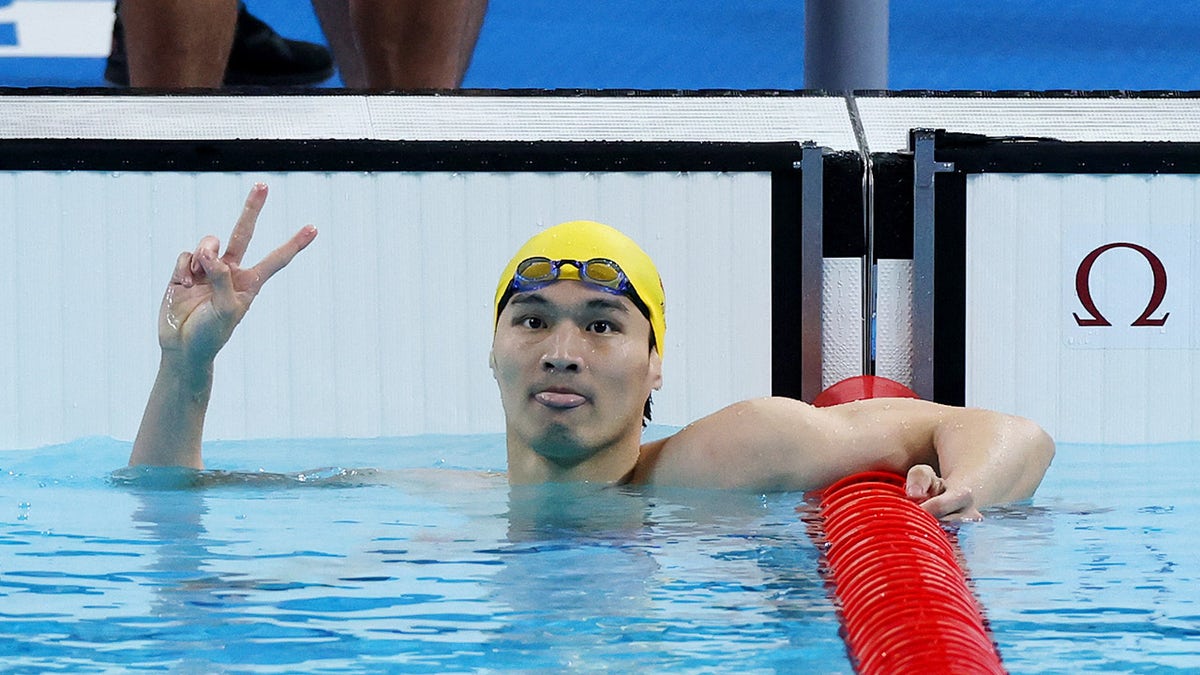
<point x="903" y="597"/>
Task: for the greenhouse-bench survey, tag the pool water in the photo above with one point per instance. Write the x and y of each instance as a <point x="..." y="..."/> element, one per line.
<point x="414" y="555"/>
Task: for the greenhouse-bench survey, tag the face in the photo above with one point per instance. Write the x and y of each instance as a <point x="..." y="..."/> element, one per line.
<point x="575" y="367"/>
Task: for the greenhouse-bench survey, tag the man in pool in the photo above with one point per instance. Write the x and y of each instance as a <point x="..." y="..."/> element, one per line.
<point x="577" y="352"/>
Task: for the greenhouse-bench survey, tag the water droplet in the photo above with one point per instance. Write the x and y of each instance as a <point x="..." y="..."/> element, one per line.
<point x="172" y="320"/>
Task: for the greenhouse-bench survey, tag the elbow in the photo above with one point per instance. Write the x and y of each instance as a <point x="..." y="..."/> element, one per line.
<point x="1047" y="451"/>
<point x="1038" y="454"/>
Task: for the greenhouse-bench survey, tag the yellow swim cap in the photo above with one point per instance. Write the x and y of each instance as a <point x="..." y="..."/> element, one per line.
<point x="584" y="240"/>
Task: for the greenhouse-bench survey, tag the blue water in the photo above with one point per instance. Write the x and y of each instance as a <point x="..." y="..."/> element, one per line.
<point x="413" y="555"/>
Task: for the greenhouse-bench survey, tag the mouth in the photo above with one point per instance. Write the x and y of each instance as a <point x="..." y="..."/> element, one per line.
<point x="559" y="398"/>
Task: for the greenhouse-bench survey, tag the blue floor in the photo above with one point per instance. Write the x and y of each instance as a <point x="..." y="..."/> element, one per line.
<point x="699" y="44"/>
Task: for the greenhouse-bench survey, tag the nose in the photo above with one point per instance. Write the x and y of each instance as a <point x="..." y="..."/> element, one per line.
<point x="564" y="350"/>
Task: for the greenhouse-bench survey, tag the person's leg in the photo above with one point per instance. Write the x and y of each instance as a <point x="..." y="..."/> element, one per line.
<point x="178" y="43"/>
<point x="334" y="16"/>
<point x="262" y="57"/>
<point x="259" y="56"/>
<point x="407" y="44"/>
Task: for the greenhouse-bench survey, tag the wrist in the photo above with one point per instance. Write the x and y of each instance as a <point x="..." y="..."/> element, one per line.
<point x="187" y="374"/>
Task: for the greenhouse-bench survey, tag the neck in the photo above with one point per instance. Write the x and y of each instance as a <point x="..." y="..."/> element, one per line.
<point x="610" y="464"/>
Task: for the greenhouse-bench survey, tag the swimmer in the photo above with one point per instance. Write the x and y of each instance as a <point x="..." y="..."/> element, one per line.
<point x="577" y="352"/>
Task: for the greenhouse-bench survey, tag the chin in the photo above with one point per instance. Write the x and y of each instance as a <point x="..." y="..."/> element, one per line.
<point x="559" y="443"/>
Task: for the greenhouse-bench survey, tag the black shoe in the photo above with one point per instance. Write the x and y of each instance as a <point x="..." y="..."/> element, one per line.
<point x="259" y="56"/>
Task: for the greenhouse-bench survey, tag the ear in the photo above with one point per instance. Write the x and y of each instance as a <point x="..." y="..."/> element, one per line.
<point x="654" y="372"/>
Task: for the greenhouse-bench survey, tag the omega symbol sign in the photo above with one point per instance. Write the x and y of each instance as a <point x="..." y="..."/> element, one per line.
<point x="1083" y="289"/>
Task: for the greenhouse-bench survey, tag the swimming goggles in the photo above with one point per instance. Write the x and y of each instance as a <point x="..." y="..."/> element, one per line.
<point x="533" y="273"/>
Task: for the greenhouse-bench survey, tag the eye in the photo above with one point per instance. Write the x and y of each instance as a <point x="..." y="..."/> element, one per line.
<point x="602" y="327"/>
<point x="532" y="322"/>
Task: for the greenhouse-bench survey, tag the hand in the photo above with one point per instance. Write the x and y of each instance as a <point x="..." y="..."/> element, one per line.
<point x="209" y="294"/>
<point x="936" y="496"/>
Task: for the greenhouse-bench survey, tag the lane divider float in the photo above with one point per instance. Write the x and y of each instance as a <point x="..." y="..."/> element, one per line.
<point x="902" y="593"/>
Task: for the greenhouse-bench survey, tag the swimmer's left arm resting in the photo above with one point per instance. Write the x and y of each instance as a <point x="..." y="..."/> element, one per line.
<point x="984" y="458"/>
<point x="775" y="443"/>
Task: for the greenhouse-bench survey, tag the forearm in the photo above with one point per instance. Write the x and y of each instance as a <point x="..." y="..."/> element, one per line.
<point x="173" y="423"/>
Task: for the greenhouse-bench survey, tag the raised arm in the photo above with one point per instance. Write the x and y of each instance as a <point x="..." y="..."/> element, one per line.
<point x="208" y="295"/>
<point x="957" y="459"/>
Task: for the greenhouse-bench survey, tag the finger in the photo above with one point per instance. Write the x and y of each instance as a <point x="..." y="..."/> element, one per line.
<point x="220" y="276"/>
<point x="280" y="257"/>
<point x="922" y="482"/>
<point x="182" y="274"/>
<point x="209" y="244"/>
<point x="243" y="230"/>
<point x="956" y="503"/>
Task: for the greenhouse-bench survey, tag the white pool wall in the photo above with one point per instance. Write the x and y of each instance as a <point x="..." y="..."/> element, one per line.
<point x="383" y="326"/>
<point x="353" y="340"/>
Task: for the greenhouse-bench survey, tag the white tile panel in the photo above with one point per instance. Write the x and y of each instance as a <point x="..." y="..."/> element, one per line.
<point x="462" y="117"/>
<point x="383" y="326"/>
<point x="750" y="118"/>
<point x="887" y="120"/>
<point x="184" y="117"/>
<point x="841" y="320"/>
<point x="893" y="320"/>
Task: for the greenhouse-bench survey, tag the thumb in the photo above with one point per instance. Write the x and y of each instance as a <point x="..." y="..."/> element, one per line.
<point x="922" y="482"/>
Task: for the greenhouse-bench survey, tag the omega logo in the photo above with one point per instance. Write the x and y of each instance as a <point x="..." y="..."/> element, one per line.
<point x="1083" y="289"/>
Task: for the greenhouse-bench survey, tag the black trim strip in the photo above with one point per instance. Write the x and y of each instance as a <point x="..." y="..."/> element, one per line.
<point x="1033" y="94"/>
<point x="787" y="293"/>
<point x="842" y="235"/>
<point x="274" y="92"/>
<point x="972" y="153"/>
<point x="373" y="155"/>
<point x="236" y="91"/>
<point x="950" y="275"/>
<point x="893" y="206"/>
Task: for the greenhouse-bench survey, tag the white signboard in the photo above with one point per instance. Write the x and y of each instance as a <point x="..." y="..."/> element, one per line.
<point x="56" y="28"/>
<point x="1080" y="309"/>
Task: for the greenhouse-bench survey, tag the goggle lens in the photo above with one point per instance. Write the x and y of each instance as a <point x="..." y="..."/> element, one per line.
<point x="604" y="272"/>
<point x="537" y="269"/>
<point x="535" y="272"/>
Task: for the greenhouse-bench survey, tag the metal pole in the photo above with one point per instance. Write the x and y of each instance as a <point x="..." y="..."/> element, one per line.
<point x="925" y="168"/>
<point x="845" y="44"/>
<point x="812" y="232"/>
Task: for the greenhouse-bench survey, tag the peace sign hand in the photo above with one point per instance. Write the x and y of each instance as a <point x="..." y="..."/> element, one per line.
<point x="210" y="293"/>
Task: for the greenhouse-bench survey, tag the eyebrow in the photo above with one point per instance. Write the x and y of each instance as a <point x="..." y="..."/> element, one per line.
<point x="605" y="303"/>
<point x="595" y="303"/>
